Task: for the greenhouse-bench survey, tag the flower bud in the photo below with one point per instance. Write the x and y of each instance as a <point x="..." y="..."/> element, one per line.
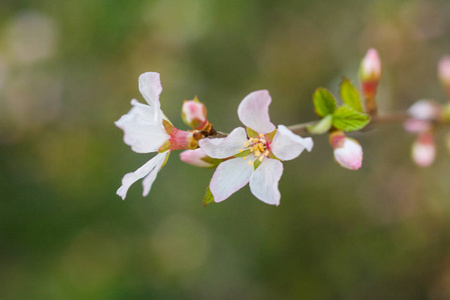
<point x="194" y="114"/>
<point x="347" y="152"/>
<point x="444" y="73"/>
<point x="199" y="158"/>
<point x="427" y="110"/>
<point x="370" y="75"/>
<point x="424" y="150"/>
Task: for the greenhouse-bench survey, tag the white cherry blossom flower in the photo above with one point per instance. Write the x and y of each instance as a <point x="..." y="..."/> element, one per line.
<point x="146" y="130"/>
<point x="255" y="159"/>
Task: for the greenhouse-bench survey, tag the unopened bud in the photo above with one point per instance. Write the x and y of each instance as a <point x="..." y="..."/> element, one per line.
<point x="444" y="73"/>
<point x="424" y="150"/>
<point x="194" y="114"/>
<point x="370" y="75"/>
<point x="347" y="152"/>
<point x="427" y="110"/>
<point x="199" y="158"/>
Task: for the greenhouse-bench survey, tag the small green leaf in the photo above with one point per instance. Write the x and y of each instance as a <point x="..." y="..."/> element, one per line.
<point x="209" y="198"/>
<point x="322" y="126"/>
<point x="350" y="95"/>
<point x="324" y="102"/>
<point x="347" y="119"/>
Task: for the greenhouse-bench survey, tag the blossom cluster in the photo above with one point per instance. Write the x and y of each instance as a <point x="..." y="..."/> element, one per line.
<point x="254" y="154"/>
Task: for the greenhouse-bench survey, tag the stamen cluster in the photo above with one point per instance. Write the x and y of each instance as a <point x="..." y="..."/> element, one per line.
<point x="257" y="146"/>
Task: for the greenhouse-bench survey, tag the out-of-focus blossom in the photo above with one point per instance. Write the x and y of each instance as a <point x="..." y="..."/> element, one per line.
<point x="422" y="113"/>
<point x="259" y="154"/>
<point x="444" y="73"/>
<point x="146" y="129"/>
<point x="347" y="151"/>
<point x="424" y="149"/>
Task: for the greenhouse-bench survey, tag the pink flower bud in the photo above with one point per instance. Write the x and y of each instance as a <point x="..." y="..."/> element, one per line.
<point x="194" y="114"/>
<point x="196" y="157"/>
<point x="427" y="110"/>
<point x="370" y="69"/>
<point x="347" y="152"/>
<point x="370" y="75"/>
<point x="444" y="72"/>
<point x="424" y="150"/>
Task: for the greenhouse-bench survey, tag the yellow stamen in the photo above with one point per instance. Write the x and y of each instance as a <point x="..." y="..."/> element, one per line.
<point x="261" y="158"/>
<point x="261" y="135"/>
<point x="245" y="144"/>
<point x="244" y="157"/>
<point x="257" y="153"/>
<point x="240" y="150"/>
<point x="250" y="162"/>
<point x="266" y="153"/>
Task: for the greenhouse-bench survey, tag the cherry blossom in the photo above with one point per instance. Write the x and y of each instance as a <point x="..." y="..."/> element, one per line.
<point x="256" y="154"/>
<point x="146" y="129"/>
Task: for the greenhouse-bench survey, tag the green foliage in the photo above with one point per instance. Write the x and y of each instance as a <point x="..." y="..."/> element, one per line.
<point x="350" y="95"/>
<point x="209" y="198"/>
<point x="347" y="119"/>
<point x="324" y="102"/>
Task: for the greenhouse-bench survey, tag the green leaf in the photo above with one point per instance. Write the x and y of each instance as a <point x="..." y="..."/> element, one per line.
<point x="350" y="95"/>
<point x="347" y="119"/>
<point x="322" y="126"/>
<point x="324" y="102"/>
<point x="209" y="198"/>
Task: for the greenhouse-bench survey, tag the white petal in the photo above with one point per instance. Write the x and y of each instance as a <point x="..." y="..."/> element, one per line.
<point x="286" y="145"/>
<point x="148" y="181"/>
<point x="225" y="147"/>
<point x="229" y="177"/>
<point x="143" y="136"/>
<point x="264" y="181"/>
<point x="150" y="168"/>
<point x="150" y="87"/>
<point x="253" y="112"/>
<point x="145" y="111"/>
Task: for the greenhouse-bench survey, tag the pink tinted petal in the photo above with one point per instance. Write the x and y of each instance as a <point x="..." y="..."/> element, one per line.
<point x="150" y="87"/>
<point x="229" y="177"/>
<point x="194" y="157"/>
<point x="264" y="181"/>
<point x="150" y="168"/>
<point x="286" y="145"/>
<point x="253" y="111"/>
<point x="225" y="147"/>
<point x="143" y="136"/>
<point x="150" y="178"/>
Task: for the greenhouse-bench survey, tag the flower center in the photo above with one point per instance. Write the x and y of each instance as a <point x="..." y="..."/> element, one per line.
<point x="257" y="146"/>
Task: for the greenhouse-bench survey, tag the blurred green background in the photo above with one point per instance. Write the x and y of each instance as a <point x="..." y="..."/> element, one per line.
<point x="68" y="69"/>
